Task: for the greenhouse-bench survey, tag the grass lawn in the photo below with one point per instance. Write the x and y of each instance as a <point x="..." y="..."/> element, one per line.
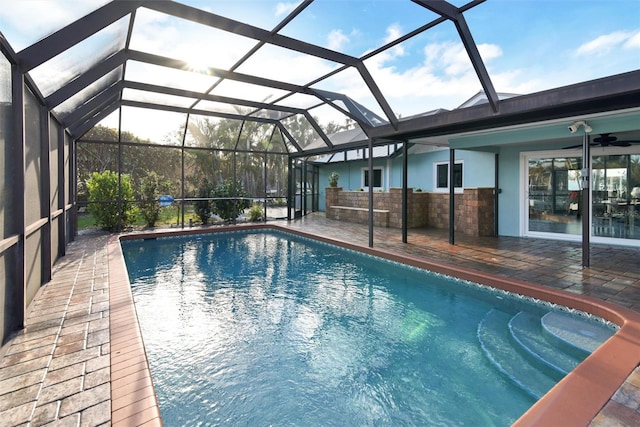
<point x="168" y="216"/>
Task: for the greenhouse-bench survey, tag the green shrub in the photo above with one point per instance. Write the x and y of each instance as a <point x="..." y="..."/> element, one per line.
<point x="151" y="188"/>
<point x="202" y="208"/>
<point x="229" y="208"/>
<point x="333" y="179"/>
<point x="256" y="213"/>
<point x="103" y="200"/>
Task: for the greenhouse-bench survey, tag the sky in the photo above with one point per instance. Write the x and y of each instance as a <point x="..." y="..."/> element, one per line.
<point x="526" y="45"/>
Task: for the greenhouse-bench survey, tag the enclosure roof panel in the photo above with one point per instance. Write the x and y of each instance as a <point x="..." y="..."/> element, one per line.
<point x="391" y="70"/>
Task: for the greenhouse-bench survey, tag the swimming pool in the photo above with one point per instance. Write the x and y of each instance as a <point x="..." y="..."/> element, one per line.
<point x="284" y="330"/>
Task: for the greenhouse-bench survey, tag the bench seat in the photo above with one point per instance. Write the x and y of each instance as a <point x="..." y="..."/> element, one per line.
<point x="359" y="215"/>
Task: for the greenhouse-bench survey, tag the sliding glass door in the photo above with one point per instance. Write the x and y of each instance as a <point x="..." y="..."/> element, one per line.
<point x="554" y="196"/>
<point x="616" y="196"/>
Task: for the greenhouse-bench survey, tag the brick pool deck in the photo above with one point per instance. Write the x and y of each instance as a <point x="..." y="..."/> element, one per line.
<point x="80" y="361"/>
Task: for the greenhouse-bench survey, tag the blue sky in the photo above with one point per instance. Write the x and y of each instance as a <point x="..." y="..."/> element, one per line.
<point x="527" y="45"/>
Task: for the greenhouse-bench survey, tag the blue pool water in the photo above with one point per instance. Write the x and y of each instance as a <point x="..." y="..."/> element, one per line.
<point x="264" y="328"/>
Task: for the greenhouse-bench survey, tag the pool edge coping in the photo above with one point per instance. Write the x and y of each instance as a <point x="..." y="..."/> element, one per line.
<point x="133" y="397"/>
<point x="574" y="401"/>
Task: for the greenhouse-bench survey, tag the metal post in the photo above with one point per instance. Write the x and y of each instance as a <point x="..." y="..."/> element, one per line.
<point x="119" y="169"/>
<point x="303" y="188"/>
<point x="264" y="174"/>
<point x="73" y="186"/>
<point x="289" y="192"/>
<point x="62" y="195"/>
<point x="496" y="192"/>
<point x="234" y="190"/>
<point x="452" y="192"/>
<point x="370" y="192"/>
<point x="586" y="198"/>
<point x="233" y="187"/>
<point x="45" y="181"/>
<point x="15" y="313"/>
<point x="184" y="138"/>
<point x="405" y="189"/>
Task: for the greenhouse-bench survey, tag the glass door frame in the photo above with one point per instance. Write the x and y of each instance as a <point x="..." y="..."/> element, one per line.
<point x="525" y="195"/>
<point x="633" y="150"/>
<point x="587" y="214"/>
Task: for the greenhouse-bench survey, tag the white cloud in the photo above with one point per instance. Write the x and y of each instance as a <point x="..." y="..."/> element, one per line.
<point x="604" y="44"/>
<point x="336" y="40"/>
<point x="285" y="8"/>
<point x="378" y="61"/>
<point x="443" y="79"/>
<point x="633" y="42"/>
<point x="394" y="31"/>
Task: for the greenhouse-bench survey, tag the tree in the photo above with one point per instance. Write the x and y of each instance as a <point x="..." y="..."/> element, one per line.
<point x="103" y="200"/>
<point x="98" y="151"/>
<point x="151" y="188"/>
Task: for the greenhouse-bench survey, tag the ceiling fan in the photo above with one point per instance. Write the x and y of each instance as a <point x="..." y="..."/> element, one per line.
<point x="607" y="140"/>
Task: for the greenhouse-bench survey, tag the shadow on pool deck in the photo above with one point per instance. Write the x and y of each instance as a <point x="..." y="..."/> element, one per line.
<point x="73" y="356"/>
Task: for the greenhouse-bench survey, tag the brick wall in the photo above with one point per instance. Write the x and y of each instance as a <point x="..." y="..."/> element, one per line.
<point x="473" y="215"/>
<point x="473" y="211"/>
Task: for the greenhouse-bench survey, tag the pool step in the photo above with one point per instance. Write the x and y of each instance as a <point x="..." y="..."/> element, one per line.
<point x="535" y="351"/>
<point x="496" y="342"/>
<point x="575" y="335"/>
<point x="527" y="333"/>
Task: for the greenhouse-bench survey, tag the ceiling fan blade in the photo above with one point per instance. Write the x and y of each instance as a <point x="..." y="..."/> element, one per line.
<point x="579" y="146"/>
<point x="604" y="139"/>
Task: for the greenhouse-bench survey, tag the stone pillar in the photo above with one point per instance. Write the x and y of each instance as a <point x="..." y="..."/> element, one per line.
<point x="331" y="199"/>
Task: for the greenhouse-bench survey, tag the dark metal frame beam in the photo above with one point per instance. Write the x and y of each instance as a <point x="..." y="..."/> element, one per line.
<point x="56" y="43"/>
<point x="45" y="202"/>
<point x="240" y="28"/>
<point x="454" y="14"/>
<point x="354" y="110"/>
<point x="208" y="97"/>
<point x="62" y="193"/>
<point x="81" y="128"/>
<point x="211" y="114"/>
<point x="163" y="61"/>
<point x="93" y="106"/>
<point x="85" y="79"/>
<point x="17" y="286"/>
<point x="375" y="91"/>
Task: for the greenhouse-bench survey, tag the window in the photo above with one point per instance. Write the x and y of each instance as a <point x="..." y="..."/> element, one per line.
<point x="442" y="176"/>
<point x="377" y="177"/>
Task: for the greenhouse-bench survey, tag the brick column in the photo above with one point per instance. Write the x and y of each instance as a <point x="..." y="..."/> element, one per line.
<point x="331" y="198"/>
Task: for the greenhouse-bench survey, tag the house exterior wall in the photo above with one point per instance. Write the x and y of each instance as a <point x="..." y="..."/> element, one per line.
<point x="474" y="214"/>
<point x="478" y="171"/>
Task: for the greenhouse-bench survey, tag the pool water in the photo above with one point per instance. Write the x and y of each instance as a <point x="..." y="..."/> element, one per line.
<point x="266" y="328"/>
